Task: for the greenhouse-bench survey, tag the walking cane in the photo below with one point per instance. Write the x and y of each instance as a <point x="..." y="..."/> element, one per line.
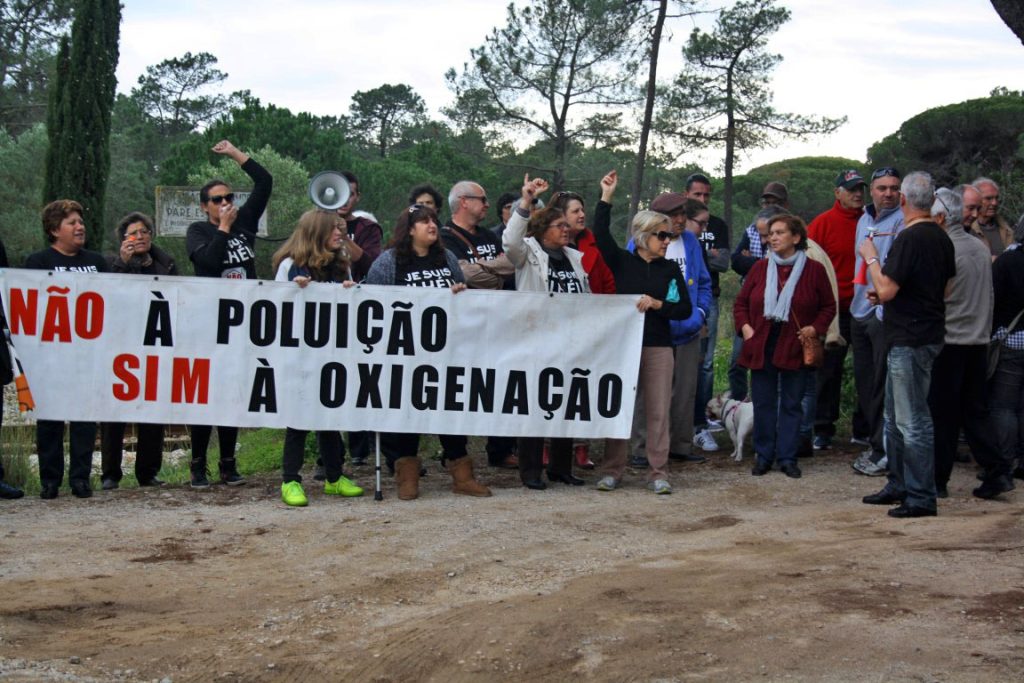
<point x="377" y="493"/>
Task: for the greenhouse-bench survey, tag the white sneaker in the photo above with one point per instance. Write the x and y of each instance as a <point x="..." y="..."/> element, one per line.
<point x="607" y="484"/>
<point x="660" y="486"/>
<point x="705" y="441"/>
<point x="715" y="425"/>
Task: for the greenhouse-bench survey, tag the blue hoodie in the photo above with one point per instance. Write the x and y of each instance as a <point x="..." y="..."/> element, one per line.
<point x="698" y="285"/>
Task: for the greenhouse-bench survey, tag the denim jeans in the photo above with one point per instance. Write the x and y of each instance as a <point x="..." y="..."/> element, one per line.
<point x="809" y="403"/>
<point x="909" y="433"/>
<point x="777" y="396"/>
<point x="1006" y="404"/>
<point x="706" y="378"/>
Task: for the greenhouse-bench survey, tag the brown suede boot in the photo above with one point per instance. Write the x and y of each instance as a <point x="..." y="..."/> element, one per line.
<point x="407" y="478"/>
<point x="463" y="482"/>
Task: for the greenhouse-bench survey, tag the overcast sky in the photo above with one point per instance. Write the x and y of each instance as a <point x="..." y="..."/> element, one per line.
<point x="878" y="63"/>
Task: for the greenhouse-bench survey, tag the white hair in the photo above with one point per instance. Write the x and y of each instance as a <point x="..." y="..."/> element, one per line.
<point x="918" y="189"/>
<point x="978" y="182"/>
<point x="459" y="189"/>
<point x="949" y="203"/>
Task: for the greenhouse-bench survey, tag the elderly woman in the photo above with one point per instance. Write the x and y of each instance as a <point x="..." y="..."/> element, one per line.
<point x="139" y="256"/>
<point x="65" y="231"/>
<point x="418" y="259"/>
<point x="663" y="297"/>
<point x="537" y="245"/>
<point x="315" y="252"/>
<point x="784" y="297"/>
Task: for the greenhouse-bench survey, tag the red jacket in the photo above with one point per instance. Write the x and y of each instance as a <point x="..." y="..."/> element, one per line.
<point x="836" y="232"/>
<point x="601" y="279"/>
<point x="813" y="304"/>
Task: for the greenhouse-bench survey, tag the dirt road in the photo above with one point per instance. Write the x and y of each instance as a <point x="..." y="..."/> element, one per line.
<point x="732" y="578"/>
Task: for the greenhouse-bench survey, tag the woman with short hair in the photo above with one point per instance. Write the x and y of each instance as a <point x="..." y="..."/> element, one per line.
<point x="784" y="298"/>
<point x="136" y="255"/>
<point x="663" y="297"/>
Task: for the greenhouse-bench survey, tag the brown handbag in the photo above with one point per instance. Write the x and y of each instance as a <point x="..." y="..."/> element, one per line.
<point x="814" y="349"/>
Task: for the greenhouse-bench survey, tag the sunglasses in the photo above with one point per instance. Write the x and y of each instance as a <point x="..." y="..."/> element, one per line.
<point x="664" y="236"/>
<point x="219" y="198"/>
<point x="419" y="207"/>
<point x="564" y="197"/>
<point x="885" y="171"/>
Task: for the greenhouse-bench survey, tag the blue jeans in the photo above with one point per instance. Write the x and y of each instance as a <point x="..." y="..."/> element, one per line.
<point x="809" y="403"/>
<point x="706" y="376"/>
<point x="778" y="413"/>
<point x="1006" y="405"/>
<point x="909" y="433"/>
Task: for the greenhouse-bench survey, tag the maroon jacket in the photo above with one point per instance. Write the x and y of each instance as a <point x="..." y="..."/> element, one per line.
<point x="813" y="304"/>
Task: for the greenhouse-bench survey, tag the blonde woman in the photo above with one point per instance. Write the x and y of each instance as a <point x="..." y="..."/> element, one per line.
<point x="314" y="253"/>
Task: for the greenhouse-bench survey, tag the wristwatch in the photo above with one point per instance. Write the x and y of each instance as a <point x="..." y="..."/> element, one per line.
<point x="873" y="259"/>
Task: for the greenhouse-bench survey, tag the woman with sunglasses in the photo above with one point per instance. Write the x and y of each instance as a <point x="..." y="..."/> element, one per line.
<point x="139" y="256"/>
<point x="224" y="246"/>
<point x="416" y="258"/>
<point x="663" y="297"/>
<point x="536" y="242"/>
<point x="315" y="252"/>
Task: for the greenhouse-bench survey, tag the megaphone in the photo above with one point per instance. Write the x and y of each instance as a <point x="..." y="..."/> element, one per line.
<point x="862" y="275"/>
<point x="329" y="190"/>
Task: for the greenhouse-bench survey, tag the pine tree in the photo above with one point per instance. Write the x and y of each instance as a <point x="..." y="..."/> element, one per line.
<point x="79" y="118"/>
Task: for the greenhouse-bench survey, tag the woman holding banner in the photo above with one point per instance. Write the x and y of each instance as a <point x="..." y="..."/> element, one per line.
<point x="537" y="245"/>
<point x="418" y="259"/>
<point x="224" y="246"/>
<point x="663" y="297"/>
<point x="315" y="252"/>
<point x="136" y="255"/>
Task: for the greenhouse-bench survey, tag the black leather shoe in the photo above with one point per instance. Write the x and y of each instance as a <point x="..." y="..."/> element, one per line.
<point x="760" y="469"/>
<point x="990" y="488"/>
<point x="9" y="492"/>
<point x="49" y="491"/>
<point x="904" y="511"/>
<point x="81" y="489"/>
<point x="535" y="484"/>
<point x="791" y="470"/>
<point x="687" y="457"/>
<point x="883" y="497"/>
<point x="152" y="482"/>
<point x="941" y="492"/>
<point x="566" y="479"/>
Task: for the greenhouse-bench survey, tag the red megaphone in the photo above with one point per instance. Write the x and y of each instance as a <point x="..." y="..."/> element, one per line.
<point x="862" y="274"/>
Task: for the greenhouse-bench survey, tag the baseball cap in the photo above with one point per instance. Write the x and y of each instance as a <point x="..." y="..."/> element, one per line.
<point x="849" y="179"/>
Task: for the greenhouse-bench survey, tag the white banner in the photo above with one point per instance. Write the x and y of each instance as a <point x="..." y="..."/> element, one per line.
<point x="184" y="350"/>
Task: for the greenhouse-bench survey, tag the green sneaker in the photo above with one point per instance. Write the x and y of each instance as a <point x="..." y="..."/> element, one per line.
<point x="343" y="487"/>
<point x="292" y="494"/>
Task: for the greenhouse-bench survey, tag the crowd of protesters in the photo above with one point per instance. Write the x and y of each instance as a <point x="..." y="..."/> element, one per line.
<point x="925" y="285"/>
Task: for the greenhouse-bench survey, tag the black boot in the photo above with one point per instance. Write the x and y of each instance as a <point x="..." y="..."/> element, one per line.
<point x="198" y="467"/>
<point x="229" y="473"/>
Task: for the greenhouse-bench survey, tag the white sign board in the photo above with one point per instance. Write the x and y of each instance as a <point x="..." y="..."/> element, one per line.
<point x="250" y="353"/>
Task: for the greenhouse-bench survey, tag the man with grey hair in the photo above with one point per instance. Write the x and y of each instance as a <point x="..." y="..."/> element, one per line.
<point x="957" y="397"/>
<point x="911" y="288"/>
<point x="484" y="266"/>
<point x="989" y="225"/>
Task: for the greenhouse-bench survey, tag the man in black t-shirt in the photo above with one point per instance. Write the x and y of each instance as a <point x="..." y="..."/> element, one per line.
<point x="484" y="266"/>
<point x="65" y="231"/>
<point x="911" y="288"/>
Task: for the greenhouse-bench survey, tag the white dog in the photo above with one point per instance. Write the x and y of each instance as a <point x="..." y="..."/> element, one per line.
<point x="736" y="416"/>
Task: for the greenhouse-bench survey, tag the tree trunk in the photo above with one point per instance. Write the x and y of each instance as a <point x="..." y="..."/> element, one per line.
<point x="730" y="150"/>
<point x="1012" y="14"/>
<point x="645" y="127"/>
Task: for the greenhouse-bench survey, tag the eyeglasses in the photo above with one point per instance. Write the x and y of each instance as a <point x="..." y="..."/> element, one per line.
<point x="885" y="171"/>
<point x="218" y="198"/>
<point x="664" y="236"/>
<point x="702" y="224"/>
<point x="141" y="232"/>
<point x="481" y="197"/>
